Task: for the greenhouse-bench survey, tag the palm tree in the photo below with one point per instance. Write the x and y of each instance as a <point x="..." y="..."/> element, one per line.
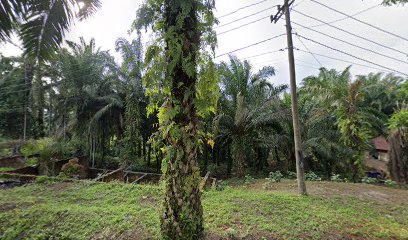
<point x="356" y="122"/>
<point x="250" y="112"/>
<point x="90" y="100"/>
<point x="41" y="24"/>
<point x="139" y="126"/>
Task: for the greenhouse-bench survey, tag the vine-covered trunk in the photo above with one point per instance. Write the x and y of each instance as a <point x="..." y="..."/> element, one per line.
<point x="183" y="213"/>
<point x="398" y="155"/>
<point x="239" y="153"/>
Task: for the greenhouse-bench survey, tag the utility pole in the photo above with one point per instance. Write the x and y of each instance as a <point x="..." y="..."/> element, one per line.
<point x="295" y="116"/>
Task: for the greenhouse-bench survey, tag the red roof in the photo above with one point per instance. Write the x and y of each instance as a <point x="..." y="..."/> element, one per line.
<point x="381" y="143"/>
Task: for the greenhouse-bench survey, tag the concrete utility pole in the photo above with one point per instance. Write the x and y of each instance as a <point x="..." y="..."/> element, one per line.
<point x="295" y="116"/>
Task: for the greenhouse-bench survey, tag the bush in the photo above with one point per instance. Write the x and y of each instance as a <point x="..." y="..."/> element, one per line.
<point x="46" y="179"/>
<point x="311" y="176"/>
<point x="249" y="180"/>
<point x="291" y="175"/>
<point x="336" y="178"/>
<point x="390" y="183"/>
<point x="275" y="176"/>
<point x="220" y="185"/>
<point x="369" y="180"/>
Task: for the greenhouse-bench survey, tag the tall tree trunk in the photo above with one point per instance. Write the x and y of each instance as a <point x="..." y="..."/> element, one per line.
<point x="205" y="156"/>
<point x="214" y="154"/>
<point x="229" y="160"/>
<point x="149" y="152"/>
<point x="28" y="75"/>
<point x="39" y="90"/>
<point x="183" y="213"/>
<point x="398" y="158"/>
<point x="159" y="158"/>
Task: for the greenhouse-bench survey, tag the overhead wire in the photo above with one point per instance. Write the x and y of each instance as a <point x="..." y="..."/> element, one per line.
<point x="342" y="60"/>
<point x="251" y="45"/>
<point x="350" y="33"/>
<point x="243" y="25"/>
<point x="349" y="43"/>
<point x="344" y="18"/>
<point x="241" y="8"/>
<point x="304" y="45"/>
<point x="242" y="18"/>
<point x="361" y="21"/>
<point x="351" y="55"/>
<point x="262" y="54"/>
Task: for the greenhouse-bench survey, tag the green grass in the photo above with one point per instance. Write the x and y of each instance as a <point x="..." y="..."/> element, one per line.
<point x="5" y="169"/>
<point x="88" y="210"/>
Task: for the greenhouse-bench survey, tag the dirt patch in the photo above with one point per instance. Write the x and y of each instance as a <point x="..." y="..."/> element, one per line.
<point x="148" y="200"/>
<point x="135" y="233"/>
<point x="7" y="206"/>
<point x="62" y="186"/>
<point x="367" y="192"/>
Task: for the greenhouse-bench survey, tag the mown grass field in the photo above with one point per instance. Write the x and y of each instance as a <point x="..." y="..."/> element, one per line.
<point x="89" y="210"/>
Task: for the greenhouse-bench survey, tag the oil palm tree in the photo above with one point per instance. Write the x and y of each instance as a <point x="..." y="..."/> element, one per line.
<point x="91" y="101"/>
<point x="250" y="111"/>
<point x="41" y="24"/>
<point x="356" y="122"/>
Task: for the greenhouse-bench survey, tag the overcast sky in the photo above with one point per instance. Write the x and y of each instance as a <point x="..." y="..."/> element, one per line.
<point x="115" y="18"/>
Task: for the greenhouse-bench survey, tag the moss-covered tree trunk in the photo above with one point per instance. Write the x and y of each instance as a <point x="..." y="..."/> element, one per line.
<point x="183" y="213"/>
<point x="398" y="155"/>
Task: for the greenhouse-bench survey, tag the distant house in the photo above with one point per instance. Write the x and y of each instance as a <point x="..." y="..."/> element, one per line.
<point x="376" y="161"/>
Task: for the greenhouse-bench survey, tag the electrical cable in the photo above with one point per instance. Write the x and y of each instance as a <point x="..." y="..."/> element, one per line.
<point x="239" y="19"/>
<point x="239" y="49"/>
<point x="241" y="8"/>
<point x="361" y="21"/>
<point x="243" y="25"/>
<point x="349" y="43"/>
<point x="353" y="34"/>
<point x="342" y="60"/>
<point x="361" y="59"/>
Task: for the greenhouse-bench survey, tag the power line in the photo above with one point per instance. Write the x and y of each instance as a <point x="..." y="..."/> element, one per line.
<point x="262" y="54"/>
<point x="353" y="34"/>
<point x="239" y="9"/>
<point x="349" y="43"/>
<point x="360" y="21"/>
<point x="344" y="18"/>
<point x="308" y="63"/>
<point x="238" y="19"/>
<point x="301" y="65"/>
<point x="342" y="60"/>
<point x="304" y="45"/>
<point x="243" y="25"/>
<point x="239" y="49"/>
<point x="361" y="59"/>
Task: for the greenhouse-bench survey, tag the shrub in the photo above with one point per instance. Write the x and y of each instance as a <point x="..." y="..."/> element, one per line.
<point x="369" y="180"/>
<point x="291" y="175"/>
<point x="220" y="185"/>
<point x="336" y="178"/>
<point x="275" y="176"/>
<point x="46" y="179"/>
<point x="249" y="180"/>
<point x="390" y="183"/>
<point x="73" y="169"/>
<point x="311" y="176"/>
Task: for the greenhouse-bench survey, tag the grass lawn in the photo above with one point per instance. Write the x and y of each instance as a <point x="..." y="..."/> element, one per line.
<point x="89" y="210"/>
<point x="5" y="169"/>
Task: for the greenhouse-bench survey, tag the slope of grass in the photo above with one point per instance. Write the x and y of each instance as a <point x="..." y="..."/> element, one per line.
<point x="89" y="210"/>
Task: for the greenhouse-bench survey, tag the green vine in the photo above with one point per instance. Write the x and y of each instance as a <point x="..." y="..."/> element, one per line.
<point x="181" y="83"/>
